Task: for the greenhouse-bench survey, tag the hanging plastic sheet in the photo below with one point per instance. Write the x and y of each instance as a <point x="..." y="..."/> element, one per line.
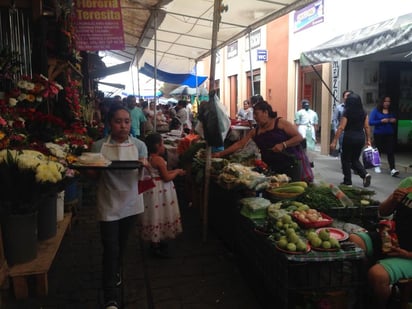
<point x="214" y="121"/>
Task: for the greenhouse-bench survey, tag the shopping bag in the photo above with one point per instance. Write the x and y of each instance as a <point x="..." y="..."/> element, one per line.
<point x="145" y="182"/>
<point x="371" y="157"/>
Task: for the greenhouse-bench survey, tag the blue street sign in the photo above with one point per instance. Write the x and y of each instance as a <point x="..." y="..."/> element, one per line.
<point x="262" y="55"/>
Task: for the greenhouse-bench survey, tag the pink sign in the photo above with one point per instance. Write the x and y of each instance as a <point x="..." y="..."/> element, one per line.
<point x="98" y="25"/>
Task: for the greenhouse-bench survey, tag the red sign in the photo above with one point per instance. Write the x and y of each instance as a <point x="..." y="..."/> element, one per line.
<point x="98" y="25"/>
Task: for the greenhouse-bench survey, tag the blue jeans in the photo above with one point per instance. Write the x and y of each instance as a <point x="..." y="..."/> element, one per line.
<point x="386" y="144"/>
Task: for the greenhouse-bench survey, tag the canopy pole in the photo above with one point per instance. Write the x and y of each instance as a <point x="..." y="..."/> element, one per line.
<point x="215" y="29"/>
<point x="138" y="84"/>
<point x="252" y="85"/>
<point x="155" y="72"/>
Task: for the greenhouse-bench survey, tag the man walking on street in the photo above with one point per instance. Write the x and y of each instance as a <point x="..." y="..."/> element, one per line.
<point x="307" y="121"/>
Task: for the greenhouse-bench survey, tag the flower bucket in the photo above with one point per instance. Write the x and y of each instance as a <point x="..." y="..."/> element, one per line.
<point x="47" y="217"/>
<point x="60" y="206"/>
<point x="19" y="238"/>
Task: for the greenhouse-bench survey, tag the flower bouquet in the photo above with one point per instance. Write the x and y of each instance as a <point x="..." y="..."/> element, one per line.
<point x="33" y="91"/>
<point x="26" y="176"/>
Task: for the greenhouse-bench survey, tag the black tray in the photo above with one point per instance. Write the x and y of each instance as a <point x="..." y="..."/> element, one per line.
<point x="115" y="165"/>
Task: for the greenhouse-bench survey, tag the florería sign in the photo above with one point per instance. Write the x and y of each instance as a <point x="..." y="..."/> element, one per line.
<point x="98" y="25"/>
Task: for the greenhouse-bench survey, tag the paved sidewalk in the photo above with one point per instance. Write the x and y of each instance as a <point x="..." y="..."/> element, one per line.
<point x="328" y="168"/>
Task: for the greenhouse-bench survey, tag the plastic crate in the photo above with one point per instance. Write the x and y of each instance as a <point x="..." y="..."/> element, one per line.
<point x="369" y="212"/>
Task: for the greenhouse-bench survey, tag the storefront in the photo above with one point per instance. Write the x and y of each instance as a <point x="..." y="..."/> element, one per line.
<point x="372" y="61"/>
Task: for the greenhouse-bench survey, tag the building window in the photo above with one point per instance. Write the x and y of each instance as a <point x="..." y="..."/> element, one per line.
<point x="232" y="50"/>
<point x="254" y="40"/>
<point x="256" y="83"/>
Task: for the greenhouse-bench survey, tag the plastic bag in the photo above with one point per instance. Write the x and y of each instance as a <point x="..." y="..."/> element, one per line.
<point x="145" y="182"/>
<point x="371" y="157"/>
<point x="215" y="122"/>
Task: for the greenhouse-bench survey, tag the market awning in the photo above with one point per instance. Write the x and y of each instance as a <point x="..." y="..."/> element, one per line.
<point x="179" y="79"/>
<point x="389" y="37"/>
<point x="184" y="28"/>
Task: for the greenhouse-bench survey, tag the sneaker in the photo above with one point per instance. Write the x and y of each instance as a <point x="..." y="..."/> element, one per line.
<point x="346" y="184"/>
<point x="111" y="305"/>
<point x="394" y="172"/>
<point x="367" y="180"/>
<point x="378" y="170"/>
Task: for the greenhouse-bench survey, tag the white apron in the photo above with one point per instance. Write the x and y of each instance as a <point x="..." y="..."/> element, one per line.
<point x="308" y="131"/>
<point x="117" y="195"/>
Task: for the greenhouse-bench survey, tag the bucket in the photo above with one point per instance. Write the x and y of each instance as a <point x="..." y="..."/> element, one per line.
<point x="20" y="238"/>
<point x="60" y="206"/>
<point x="47" y="217"/>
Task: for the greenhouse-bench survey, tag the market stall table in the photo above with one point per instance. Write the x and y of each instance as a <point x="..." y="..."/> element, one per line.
<point x="284" y="278"/>
<point x="40" y="266"/>
<point x="288" y="277"/>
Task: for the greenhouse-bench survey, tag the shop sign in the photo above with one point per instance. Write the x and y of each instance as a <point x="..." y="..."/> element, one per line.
<point x="309" y="16"/>
<point x="336" y="65"/>
<point x="98" y="25"/>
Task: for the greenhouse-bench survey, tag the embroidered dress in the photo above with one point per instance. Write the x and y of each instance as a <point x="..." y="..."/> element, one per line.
<point x="161" y="217"/>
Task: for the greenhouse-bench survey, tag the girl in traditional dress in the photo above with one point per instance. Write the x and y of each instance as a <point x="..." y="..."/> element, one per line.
<point x="161" y="217"/>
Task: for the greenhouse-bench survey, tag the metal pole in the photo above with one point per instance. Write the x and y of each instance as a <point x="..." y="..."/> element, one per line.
<point x="132" y="77"/>
<point x="252" y="86"/>
<point x="155" y="71"/>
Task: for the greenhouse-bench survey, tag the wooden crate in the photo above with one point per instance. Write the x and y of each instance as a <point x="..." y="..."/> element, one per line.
<point x="40" y="266"/>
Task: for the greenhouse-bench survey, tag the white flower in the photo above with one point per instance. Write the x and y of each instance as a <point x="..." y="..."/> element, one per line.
<point x="30" y="86"/>
<point x="56" y="150"/>
<point x="12" y="101"/>
<point x="21" y="84"/>
<point x="21" y="97"/>
<point x="28" y="162"/>
<point x="34" y="153"/>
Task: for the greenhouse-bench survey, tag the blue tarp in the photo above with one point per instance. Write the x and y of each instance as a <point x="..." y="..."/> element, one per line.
<point x="178" y="79"/>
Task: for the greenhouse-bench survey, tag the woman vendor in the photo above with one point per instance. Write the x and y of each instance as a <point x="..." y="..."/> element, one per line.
<point x="279" y="143"/>
<point x="394" y="262"/>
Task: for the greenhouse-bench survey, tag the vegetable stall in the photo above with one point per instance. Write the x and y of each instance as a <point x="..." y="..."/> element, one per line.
<point x="291" y="238"/>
